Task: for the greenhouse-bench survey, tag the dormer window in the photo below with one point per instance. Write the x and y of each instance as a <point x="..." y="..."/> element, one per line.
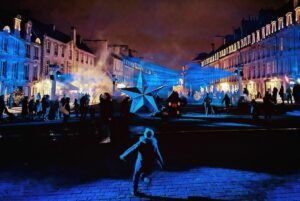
<point x="273" y="29"/>
<point x="280" y="23"/>
<point x="6" y="29"/>
<point x="253" y="38"/>
<point x="297" y="16"/>
<point x="17" y="23"/>
<point x="268" y="29"/>
<point x="38" y="41"/>
<point x="263" y="32"/>
<point x="257" y="35"/>
<point x="249" y="40"/>
<point x="28" y="27"/>
<point x="289" y="19"/>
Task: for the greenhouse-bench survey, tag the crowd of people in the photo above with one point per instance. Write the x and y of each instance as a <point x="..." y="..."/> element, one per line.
<point x="41" y="107"/>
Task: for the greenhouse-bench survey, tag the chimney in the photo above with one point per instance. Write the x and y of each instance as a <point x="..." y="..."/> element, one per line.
<point x="17" y="25"/>
<point x="28" y="27"/>
<point x="73" y="35"/>
<point x="296" y="2"/>
<point x="212" y="46"/>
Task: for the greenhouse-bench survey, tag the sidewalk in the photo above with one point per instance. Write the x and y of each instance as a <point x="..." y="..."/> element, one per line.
<point x="203" y="183"/>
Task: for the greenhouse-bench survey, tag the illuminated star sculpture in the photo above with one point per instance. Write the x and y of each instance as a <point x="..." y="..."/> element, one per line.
<point x="142" y="95"/>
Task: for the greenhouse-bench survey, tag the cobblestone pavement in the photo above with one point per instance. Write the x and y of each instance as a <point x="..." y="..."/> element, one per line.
<point x="203" y="183"/>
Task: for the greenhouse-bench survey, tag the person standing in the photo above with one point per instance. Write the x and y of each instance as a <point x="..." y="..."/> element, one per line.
<point x="268" y="105"/>
<point x="76" y="107"/>
<point x="24" y="111"/>
<point x="296" y="93"/>
<point x="66" y="110"/>
<point x="2" y="106"/>
<point x="38" y="108"/>
<point x="106" y="114"/>
<point x="10" y="101"/>
<point x="207" y="104"/>
<point x="281" y="94"/>
<point x="274" y="95"/>
<point x="289" y="96"/>
<point x="226" y="100"/>
<point x="83" y="107"/>
<point x="148" y="155"/>
<point x="31" y="108"/>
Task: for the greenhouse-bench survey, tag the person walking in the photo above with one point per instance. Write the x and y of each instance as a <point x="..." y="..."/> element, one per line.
<point x="281" y="94"/>
<point x="148" y="155"/>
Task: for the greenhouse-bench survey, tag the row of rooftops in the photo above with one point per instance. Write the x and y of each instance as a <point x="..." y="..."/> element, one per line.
<point x="39" y="29"/>
<point x="251" y="25"/>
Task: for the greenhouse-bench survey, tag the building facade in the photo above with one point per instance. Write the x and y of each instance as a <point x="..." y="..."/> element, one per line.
<point x="266" y="57"/>
<point x="19" y="56"/>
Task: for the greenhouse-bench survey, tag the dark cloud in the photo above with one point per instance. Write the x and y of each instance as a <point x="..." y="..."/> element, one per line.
<point x="170" y="32"/>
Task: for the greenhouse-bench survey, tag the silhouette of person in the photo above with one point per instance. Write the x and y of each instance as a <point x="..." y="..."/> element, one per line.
<point x="148" y="155"/>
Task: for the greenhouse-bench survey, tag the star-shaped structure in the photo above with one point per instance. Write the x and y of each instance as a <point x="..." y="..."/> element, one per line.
<point x="142" y="95"/>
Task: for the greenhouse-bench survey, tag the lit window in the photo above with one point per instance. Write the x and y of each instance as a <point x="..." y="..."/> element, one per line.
<point x="297" y="14"/>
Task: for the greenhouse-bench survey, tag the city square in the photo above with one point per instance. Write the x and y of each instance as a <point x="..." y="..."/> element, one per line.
<point x="99" y="104"/>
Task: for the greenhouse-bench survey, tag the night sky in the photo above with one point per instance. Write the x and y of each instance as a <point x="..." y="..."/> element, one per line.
<point x="169" y="32"/>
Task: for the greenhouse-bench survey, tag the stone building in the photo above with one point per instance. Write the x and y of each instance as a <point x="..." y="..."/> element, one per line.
<point x="19" y="55"/>
<point x="264" y="51"/>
